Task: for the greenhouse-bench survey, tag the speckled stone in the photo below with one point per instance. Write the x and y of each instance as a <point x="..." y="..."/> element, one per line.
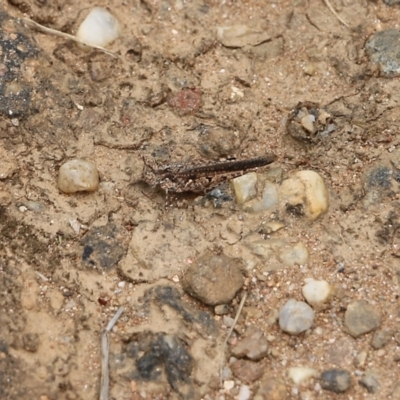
<point x="247" y="371"/>
<point x="335" y="380"/>
<point x="271" y="388"/>
<point x="213" y="279"/>
<point x="361" y="318"/>
<point x="253" y="345"/>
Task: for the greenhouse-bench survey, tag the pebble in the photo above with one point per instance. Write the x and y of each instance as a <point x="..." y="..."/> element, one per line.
<point x="317" y="293"/>
<point x="361" y="318"/>
<point x="268" y="200"/>
<point x="244" y="393"/>
<point x="300" y="374"/>
<point x="229" y="385"/>
<point x="381" y="338"/>
<point x="383" y="49"/>
<point x="221" y="309"/>
<point x="99" y="28"/>
<point x="370" y="382"/>
<point x="241" y="35"/>
<point x="247" y="371"/>
<point x="252" y="345"/>
<point x="214" y="279"/>
<point x="78" y="176"/>
<point x="306" y="189"/>
<point x="335" y="380"/>
<point x="244" y="187"/>
<point x="296" y="317"/>
<point x="5" y="198"/>
<point x="272" y="389"/>
<point x="281" y="251"/>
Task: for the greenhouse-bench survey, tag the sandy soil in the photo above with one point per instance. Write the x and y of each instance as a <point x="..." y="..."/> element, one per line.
<point x="57" y="296"/>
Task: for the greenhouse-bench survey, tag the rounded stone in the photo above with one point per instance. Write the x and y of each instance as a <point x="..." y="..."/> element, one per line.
<point x="296" y="317"/>
<point x="335" y="380"/>
<point x="361" y="318"/>
<point x="317" y="293"/>
<point x="78" y="176"/>
<point x="214" y="279"/>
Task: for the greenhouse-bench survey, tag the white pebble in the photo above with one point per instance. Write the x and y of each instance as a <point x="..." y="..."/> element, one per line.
<point x="229" y="385"/>
<point x="244" y="187"/>
<point x="317" y="293"/>
<point x="244" y="393"/>
<point x="296" y="254"/>
<point x="296" y="317"/>
<point x="300" y="374"/>
<point x="269" y="196"/>
<point x="99" y="28"/>
<point x="77" y="176"/>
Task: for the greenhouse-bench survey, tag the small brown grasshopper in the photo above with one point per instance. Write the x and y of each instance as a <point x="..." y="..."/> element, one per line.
<point x="178" y="178"/>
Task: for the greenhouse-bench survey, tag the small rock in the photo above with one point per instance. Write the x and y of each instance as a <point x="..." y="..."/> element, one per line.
<point x="296" y="317"/>
<point x="296" y="254"/>
<point x="244" y="393"/>
<point x="360" y="359"/>
<point x="317" y="293"/>
<point x="99" y="28"/>
<point x="300" y="374"/>
<point x="361" y="318"/>
<point x="241" y="35"/>
<point x="335" y="380"/>
<point x="253" y="345"/>
<point x="247" y="371"/>
<point x="370" y="382"/>
<point x="77" y="176"/>
<point x="244" y="187"/>
<point x="221" y="309"/>
<point x="214" y="279"/>
<point x="381" y="338"/>
<point x="383" y="49"/>
<point x="272" y="389"/>
<point x="305" y="190"/>
<point x="229" y="385"/>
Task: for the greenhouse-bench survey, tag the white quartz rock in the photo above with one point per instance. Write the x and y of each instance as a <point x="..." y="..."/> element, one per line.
<point x="78" y="176"/>
<point x="317" y="293"/>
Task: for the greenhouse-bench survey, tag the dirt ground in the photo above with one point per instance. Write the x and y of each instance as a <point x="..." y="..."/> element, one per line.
<point x="183" y="89"/>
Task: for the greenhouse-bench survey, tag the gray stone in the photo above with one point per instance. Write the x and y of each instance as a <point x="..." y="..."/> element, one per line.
<point x="361" y="318"/>
<point x="253" y="345"/>
<point x="383" y="49"/>
<point x="381" y="338"/>
<point x="214" y="279"/>
<point x="335" y="380"/>
<point x="370" y="382"/>
<point x="296" y="317"/>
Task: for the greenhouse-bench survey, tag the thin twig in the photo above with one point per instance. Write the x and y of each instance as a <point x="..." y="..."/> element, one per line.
<point x="105" y="376"/>
<point x="329" y="5"/>
<point x="65" y="36"/>
<point x="230" y="332"/>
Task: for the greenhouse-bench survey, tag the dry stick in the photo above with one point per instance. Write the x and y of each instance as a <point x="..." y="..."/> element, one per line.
<point x="230" y="332"/>
<point x="105" y="378"/>
<point x="66" y="36"/>
<point x="329" y="5"/>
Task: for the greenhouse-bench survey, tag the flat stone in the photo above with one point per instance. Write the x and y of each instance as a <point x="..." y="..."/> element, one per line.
<point x="361" y="318"/>
<point x="271" y="388"/>
<point x="247" y="371"/>
<point x="335" y="380"/>
<point x="244" y="187"/>
<point x="381" y="338"/>
<point x="252" y="345"/>
<point x="214" y="279"/>
<point x="370" y="382"/>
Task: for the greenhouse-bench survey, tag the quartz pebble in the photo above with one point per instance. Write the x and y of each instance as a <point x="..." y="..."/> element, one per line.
<point x="305" y="189"/>
<point x="361" y="318"/>
<point x="317" y="293"/>
<point x="244" y="393"/>
<point x="99" y="28"/>
<point x="335" y="380"/>
<point x="300" y="374"/>
<point x="244" y="187"/>
<point x="78" y="176"/>
<point x="296" y="317"/>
